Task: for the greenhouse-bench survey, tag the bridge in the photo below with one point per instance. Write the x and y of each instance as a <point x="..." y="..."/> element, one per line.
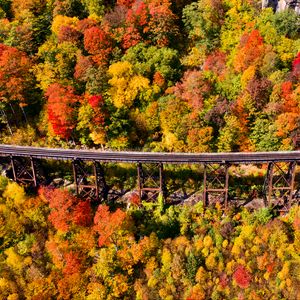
<point x="89" y="170"/>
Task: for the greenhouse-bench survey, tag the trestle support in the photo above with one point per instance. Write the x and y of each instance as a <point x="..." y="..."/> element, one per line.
<point x="24" y="170"/>
<point x="89" y="180"/>
<point x="279" y="184"/>
<point x="150" y="179"/>
<point x="215" y="182"/>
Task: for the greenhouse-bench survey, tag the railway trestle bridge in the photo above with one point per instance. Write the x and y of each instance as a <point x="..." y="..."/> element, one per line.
<point x="279" y="182"/>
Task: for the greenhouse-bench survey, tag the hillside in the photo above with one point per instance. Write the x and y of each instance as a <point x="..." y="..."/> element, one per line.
<point x="149" y="75"/>
<point x="55" y="246"/>
<point x="159" y="75"/>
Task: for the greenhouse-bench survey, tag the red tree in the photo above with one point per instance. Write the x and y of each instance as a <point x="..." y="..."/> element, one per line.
<point x="242" y="277"/>
<point x="127" y="3"/>
<point x="97" y="103"/>
<point x="61" y="109"/>
<point x="60" y="202"/>
<point x="85" y="24"/>
<point x="251" y="50"/>
<point x="136" y="24"/>
<point x="107" y="224"/>
<point x="159" y="79"/>
<point x="15" y="75"/>
<point x="296" y="67"/>
<point x="149" y="21"/>
<point x="138" y="14"/>
<point x="68" y="34"/>
<point x="192" y="89"/>
<point x="162" y="22"/>
<point x="98" y="43"/>
<point x="82" y="213"/>
<point x="290" y="102"/>
<point x="216" y="63"/>
<point x="131" y="37"/>
<point x="259" y="89"/>
<point x="84" y="63"/>
<point x="66" y="209"/>
<point x="72" y="263"/>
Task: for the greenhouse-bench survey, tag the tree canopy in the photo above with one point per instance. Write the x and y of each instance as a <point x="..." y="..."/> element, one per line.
<point x="206" y="75"/>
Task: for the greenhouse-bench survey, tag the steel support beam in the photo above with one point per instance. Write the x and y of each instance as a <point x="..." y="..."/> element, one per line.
<point x="24" y="170"/>
<point x="215" y="182"/>
<point x="279" y="184"/>
<point x="89" y="180"/>
<point x="150" y="180"/>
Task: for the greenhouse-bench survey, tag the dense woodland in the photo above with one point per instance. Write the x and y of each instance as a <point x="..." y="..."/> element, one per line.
<point x="155" y="75"/>
<point x="158" y="75"/>
<point x="55" y="246"/>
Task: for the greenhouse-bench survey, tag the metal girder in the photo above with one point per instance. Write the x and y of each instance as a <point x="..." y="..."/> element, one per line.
<point x="24" y="170"/>
<point x="150" y="180"/>
<point x="215" y="181"/>
<point x="89" y="180"/>
<point x="279" y="184"/>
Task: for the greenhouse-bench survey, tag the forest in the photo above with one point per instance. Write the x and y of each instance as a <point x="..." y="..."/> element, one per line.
<point x="147" y="75"/>
<point x="155" y="75"/>
<point x="56" y="246"/>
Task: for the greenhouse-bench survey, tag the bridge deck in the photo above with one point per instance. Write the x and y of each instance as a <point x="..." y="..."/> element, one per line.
<point x="148" y="157"/>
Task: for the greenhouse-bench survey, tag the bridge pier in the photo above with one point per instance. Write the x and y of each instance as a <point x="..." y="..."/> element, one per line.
<point x="150" y="180"/>
<point x="24" y="170"/>
<point x="279" y="184"/>
<point x="215" y="181"/>
<point x="89" y="180"/>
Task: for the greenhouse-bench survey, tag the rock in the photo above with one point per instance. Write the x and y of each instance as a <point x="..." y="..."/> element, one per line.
<point x="193" y="199"/>
<point x="57" y="181"/>
<point x="71" y="187"/>
<point x="131" y="197"/>
<point x="255" y="204"/>
<point x="66" y="182"/>
<point x="282" y="5"/>
<point x="270" y="3"/>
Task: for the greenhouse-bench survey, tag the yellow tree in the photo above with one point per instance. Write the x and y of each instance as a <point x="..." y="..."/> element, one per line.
<point x="126" y="85"/>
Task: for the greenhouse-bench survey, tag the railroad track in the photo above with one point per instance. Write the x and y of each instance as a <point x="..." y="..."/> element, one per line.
<point x="148" y="157"/>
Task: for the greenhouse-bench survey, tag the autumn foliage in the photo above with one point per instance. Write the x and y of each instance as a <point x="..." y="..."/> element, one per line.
<point x="107" y="224"/>
<point x="98" y="43"/>
<point x="250" y="50"/>
<point x="66" y="209"/>
<point x="296" y="66"/>
<point x="15" y="75"/>
<point x="61" y="109"/>
<point x="143" y="54"/>
<point x="55" y="245"/>
<point x="154" y="75"/>
<point x="242" y="277"/>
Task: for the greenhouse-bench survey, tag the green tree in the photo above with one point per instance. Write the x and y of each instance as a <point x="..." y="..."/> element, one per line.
<point x="286" y="23"/>
<point x="121" y="132"/>
<point x="5" y="8"/>
<point x="58" y="64"/>
<point x="148" y="60"/>
<point x="174" y="120"/>
<point x="263" y="135"/>
<point x="230" y="134"/>
<point x="203" y="20"/>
